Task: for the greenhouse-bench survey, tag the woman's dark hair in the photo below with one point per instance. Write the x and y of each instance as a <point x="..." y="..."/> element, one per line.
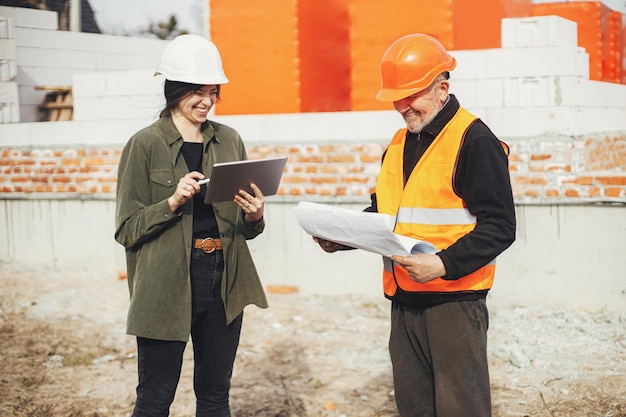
<point x="177" y="91"/>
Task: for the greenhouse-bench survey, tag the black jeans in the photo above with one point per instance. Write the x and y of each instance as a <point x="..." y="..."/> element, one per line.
<point x="214" y="347"/>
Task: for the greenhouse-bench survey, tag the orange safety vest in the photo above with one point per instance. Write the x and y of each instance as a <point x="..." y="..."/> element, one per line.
<point x="427" y="208"/>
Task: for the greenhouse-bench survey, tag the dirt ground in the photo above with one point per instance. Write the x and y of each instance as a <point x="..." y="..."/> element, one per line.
<point x="63" y="352"/>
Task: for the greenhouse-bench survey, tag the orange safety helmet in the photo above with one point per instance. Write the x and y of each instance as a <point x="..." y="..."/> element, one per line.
<point x="411" y="64"/>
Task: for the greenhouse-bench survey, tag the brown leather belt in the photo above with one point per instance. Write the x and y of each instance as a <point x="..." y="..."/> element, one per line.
<point x="208" y="245"/>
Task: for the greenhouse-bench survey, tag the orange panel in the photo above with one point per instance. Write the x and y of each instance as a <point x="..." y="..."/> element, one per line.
<point x="324" y="47"/>
<point x="458" y="24"/>
<point x="612" y="47"/>
<point x="600" y="32"/>
<point x="516" y="8"/>
<point x="259" y="47"/>
<point x="375" y="25"/>
<point x="588" y="16"/>
<point x="477" y="24"/>
<point x="623" y="48"/>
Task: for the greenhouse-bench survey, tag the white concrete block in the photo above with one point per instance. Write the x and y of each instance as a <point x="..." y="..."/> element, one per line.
<point x="31" y="18"/>
<point x="490" y="92"/>
<point x="532" y="121"/>
<point x="604" y="119"/>
<point x="146" y="105"/>
<point x="89" y="42"/>
<point x="478" y="93"/>
<point x="8" y="49"/>
<point x="32" y="76"/>
<point x="543" y="91"/>
<point x="7" y="27"/>
<point x="8" y="69"/>
<point x="134" y="82"/>
<point x="536" y="61"/>
<point x="466" y="91"/>
<point x="28" y="94"/>
<point x="138" y="106"/>
<point x="9" y="112"/>
<point x="89" y="85"/>
<point x="539" y="31"/>
<point x="526" y="91"/>
<point x="57" y="58"/>
<point x="469" y="64"/>
<point x="8" y="92"/>
<point x="100" y="108"/>
<point x="29" y="113"/>
<point x="116" y="83"/>
<point x="603" y="94"/>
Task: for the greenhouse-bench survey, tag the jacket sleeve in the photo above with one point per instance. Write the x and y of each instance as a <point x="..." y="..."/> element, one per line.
<point x="137" y="217"/>
<point x="482" y="180"/>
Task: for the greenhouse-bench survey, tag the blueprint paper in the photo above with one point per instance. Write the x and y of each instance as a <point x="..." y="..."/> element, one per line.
<point x="372" y="232"/>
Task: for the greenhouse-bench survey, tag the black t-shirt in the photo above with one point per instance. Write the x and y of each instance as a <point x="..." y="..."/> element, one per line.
<point x="204" y="223"/>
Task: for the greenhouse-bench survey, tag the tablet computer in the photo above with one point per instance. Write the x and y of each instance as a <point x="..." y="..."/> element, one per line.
<point x="227" y="178"/>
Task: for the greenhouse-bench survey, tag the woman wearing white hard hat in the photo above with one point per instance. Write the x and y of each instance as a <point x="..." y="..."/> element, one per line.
<point x="189" y="268"/>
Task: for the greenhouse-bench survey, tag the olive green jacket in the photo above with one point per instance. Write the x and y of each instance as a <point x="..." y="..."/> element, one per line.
<point x="159" y="243"/>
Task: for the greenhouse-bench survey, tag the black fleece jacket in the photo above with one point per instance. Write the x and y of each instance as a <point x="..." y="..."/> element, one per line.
<point x="482" y="180"/>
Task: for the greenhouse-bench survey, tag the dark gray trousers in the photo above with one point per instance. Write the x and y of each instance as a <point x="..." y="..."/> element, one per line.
<point x="439" y="358"/>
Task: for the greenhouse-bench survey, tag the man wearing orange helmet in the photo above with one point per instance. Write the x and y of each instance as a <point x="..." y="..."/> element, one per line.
<point x="445" y="177"/>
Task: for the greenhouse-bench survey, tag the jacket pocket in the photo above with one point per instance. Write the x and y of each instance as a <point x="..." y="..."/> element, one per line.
<point x="162" y="183"/>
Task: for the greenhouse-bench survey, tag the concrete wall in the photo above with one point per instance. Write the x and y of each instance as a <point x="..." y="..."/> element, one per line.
<point x="565" y="255"/>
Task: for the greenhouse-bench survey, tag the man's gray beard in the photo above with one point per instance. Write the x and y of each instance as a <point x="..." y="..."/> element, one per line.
<point x="422" y="125"/>
<point x="431" y="119"/>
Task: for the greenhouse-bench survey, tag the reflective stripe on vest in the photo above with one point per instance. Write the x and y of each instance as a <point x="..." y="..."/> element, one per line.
<point x="427" y="207"/>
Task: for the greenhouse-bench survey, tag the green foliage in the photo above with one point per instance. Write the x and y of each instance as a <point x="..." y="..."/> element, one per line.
<point x="166" y="30"/>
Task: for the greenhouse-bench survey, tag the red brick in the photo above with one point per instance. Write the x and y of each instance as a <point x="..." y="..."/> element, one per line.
<point x="613" y="192"/>
<point x="292" y="179"/>
<point x="331" y="169"/>
<point x="311" y="158"/>
<point x="540" y="157"/>
<point x="532" y="193"/>
<point x="612" y="180"/>
<point x="355" y="179"/>
<point x="324" y="180"/>
<point x="369" y="158"/>
<point x="530" y="180"/>
<point x="553" y="192"/>
<point x="559" y="168"/>
<point x="594" y="192"/>
<point x="70" y="161"/>
<point x="571" y="192"/>
<point x="584" y="180"/>
<point x="340" y="158"/>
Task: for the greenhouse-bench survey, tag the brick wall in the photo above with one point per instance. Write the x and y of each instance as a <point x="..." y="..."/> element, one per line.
<point x="585" y="169"/>
<point x="547" y="170"/>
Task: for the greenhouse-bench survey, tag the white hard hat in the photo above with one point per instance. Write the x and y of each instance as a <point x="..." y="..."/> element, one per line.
<point x="192" y="59"/>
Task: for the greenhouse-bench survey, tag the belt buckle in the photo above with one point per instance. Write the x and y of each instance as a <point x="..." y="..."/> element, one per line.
<point x="208" y="245"/>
